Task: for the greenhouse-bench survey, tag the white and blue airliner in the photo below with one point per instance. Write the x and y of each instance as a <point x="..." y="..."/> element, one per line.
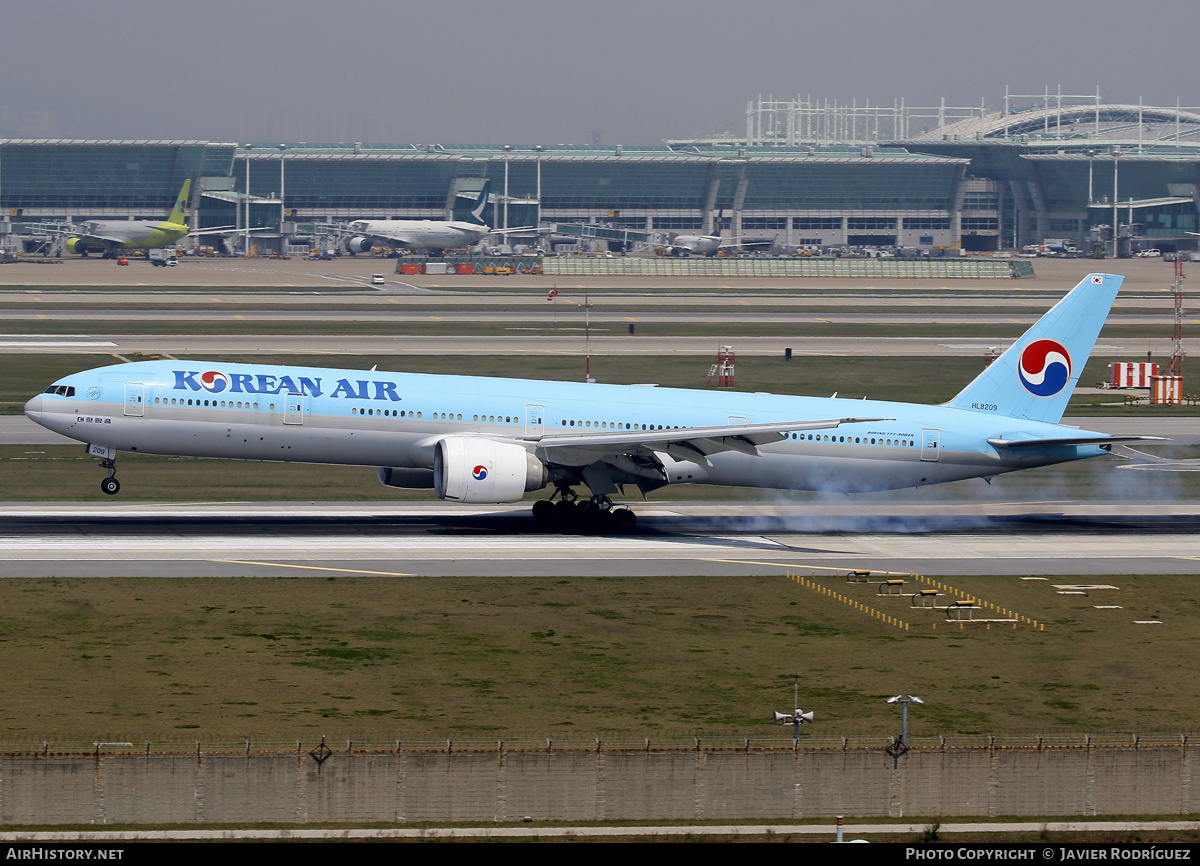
<point x="475" y="439"/>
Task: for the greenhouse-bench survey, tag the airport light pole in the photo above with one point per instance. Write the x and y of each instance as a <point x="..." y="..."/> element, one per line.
<point x="899" y="747"/>
<point x="1091" y="155"/>
<point x="1116" y="155"/>
<point x="282" y="206"/>
<point x="507" y="150"/>
<point x="537" y="226"/>
<point x="246" y="242"/>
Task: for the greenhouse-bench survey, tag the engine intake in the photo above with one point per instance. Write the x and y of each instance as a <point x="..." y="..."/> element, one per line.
<point x="359" y="245"/>
<point x="469" y="469"/>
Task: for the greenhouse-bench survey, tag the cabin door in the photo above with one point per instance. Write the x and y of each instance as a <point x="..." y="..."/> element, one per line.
<point x="135" y="399"/>
<point x="930" y="444"/>
<point x="293" y="409"/>
<point x="535" y="420"/>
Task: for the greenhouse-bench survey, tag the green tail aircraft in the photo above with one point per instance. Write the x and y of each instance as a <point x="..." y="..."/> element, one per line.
<point x="110" y="237"/>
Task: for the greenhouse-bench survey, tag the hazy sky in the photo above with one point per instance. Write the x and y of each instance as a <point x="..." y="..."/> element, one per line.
<point x="536" y="71"/>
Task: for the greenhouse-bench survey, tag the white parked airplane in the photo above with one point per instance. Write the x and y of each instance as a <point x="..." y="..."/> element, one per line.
<point x="704" y="245"/>
<point x="484" y="440"/>
<point x="420" y="234"/>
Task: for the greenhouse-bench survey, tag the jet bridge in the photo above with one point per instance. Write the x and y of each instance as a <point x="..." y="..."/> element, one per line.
<point x="632" y="238"/>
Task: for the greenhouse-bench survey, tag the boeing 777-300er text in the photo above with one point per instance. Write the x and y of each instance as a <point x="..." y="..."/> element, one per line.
<point x="486" y="440"/>
<point x="420" y="234"/>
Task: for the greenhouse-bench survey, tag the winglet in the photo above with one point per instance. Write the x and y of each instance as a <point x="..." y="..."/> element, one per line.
<point x="1036" y="376"/>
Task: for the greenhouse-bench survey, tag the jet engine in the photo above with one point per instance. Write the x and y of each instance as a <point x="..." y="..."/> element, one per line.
<point x="407" y="479"/>
<point x="470" y="469"/>
<point x="77" y="246"/>
<point x="359" y="245"/>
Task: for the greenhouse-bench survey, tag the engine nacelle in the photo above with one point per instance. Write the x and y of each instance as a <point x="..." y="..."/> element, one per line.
<point x="359" y="245"/>
<point x="470" y="469"/>
<point x="407" y="479"/>
<point x="77" y="246"/>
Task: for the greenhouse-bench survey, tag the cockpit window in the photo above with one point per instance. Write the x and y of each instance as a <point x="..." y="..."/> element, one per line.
<point x="61" y="390"/>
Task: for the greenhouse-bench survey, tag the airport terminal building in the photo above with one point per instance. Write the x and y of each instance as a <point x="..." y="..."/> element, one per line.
<point x="800" y="175"/>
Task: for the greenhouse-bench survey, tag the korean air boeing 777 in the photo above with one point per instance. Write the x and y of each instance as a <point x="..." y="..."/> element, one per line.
<point x="487" y="440"/>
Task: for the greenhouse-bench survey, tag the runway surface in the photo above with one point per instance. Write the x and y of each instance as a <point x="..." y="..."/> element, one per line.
<point x="708" y="539"/>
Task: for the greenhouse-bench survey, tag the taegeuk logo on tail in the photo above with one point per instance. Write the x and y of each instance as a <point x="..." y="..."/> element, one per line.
<point x="1045" y="368"/>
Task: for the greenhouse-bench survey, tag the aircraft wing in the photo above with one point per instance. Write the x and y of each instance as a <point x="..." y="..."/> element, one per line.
<point x="100" y="239"/>
<point x="1067" y="441"/>
<point x="543" y="230"/>
<point x="685" y="443"/>
<point x="391" y="237"/>
<point x="226" y="230"/>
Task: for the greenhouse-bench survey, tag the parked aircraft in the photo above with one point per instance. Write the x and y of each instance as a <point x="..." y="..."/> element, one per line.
<point x="110" y="237"/>
<point x="421" y="234"/>
<point x="705" y="245"/>
<point x="486" y="440"/>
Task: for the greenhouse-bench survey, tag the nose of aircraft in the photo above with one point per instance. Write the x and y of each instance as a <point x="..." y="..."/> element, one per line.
<point x="34" y="408"/>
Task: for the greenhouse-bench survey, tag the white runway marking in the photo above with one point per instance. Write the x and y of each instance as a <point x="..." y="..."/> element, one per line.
<point x="56" y="344"/>
<point x="292" y="548"/>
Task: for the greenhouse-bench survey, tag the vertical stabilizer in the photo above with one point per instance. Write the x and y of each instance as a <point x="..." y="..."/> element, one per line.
<point x="179" y="211"/>
<point x="481" y="202"/>
<point x="1036" y="376"/>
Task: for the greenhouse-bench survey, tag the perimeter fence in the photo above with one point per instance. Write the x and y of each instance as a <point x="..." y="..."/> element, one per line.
<point x="948" y="269"/>
<point x="613" y="779"/>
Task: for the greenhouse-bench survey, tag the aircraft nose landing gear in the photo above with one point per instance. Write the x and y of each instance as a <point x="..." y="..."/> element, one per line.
<point x="110" y="485"/>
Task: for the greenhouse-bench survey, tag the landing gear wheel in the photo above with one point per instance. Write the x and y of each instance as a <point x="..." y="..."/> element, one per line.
<point x="565" y="512"/>
<point x="543" y="511"/>
<point x="624" y="519"/>
<point x="110" y="486"/>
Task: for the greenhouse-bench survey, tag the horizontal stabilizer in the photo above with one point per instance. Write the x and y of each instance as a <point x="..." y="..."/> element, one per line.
<point x="1067" y="441"/>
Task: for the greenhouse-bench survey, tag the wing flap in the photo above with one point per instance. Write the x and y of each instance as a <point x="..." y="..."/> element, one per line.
<point x="706" y="440"/>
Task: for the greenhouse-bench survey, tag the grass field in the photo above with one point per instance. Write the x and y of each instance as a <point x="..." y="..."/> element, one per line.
<point x="528" y="658"/>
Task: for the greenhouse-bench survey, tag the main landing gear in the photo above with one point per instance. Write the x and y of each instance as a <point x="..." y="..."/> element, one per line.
<point x="571" y="513"/>
<point x="110" y="485"/>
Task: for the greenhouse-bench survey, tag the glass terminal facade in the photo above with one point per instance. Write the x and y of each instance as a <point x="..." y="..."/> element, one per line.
<point x="978" y="194"/>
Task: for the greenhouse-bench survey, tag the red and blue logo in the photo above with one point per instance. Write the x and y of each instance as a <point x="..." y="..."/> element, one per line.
<point x="214" y="382"/>
<point x="1045" y="368"/>
<point x="479" y="472"/>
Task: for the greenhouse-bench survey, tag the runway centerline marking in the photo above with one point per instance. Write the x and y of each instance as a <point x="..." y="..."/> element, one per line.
<point x="313" y="567"/>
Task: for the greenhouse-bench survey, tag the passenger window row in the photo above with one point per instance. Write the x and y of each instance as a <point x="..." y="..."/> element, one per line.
<point x="855" y="440"/>
<point x="223" y="404"/>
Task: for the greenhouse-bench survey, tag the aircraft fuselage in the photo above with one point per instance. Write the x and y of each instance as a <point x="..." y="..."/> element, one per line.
<point x="355" y="417"/>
